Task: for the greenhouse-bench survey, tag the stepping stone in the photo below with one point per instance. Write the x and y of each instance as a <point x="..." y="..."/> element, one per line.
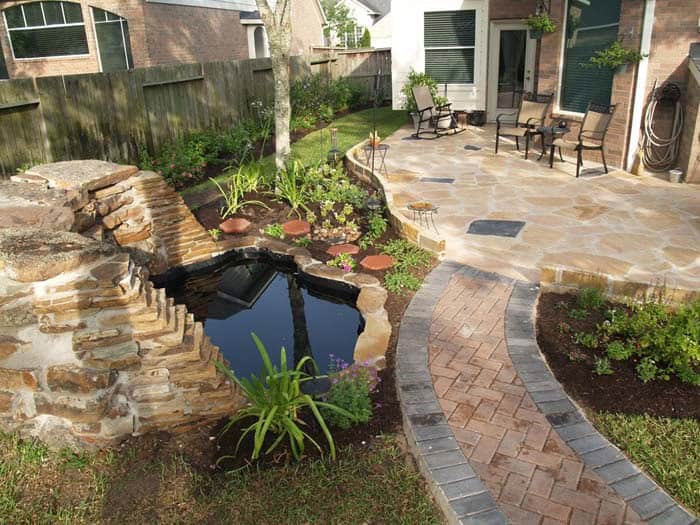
<point x="497" y="228"/>
<point x="232" y="226"/>
<point x="296" y="228"/>
<point x="336" y="250"/>
<point x="377" y="263"/>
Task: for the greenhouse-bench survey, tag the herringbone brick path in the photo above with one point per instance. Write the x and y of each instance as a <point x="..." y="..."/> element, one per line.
<point x="533" y="475"/>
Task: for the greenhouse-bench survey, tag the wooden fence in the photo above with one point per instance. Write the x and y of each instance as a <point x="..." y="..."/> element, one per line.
<point x="109" y="115"/>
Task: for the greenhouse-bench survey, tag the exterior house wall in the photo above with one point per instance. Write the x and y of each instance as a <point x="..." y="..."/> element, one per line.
<point x="307" y="26"/>
<point x="381" y="32"/>
<point x="689" y="160"/>
<point x="408" y="51"/>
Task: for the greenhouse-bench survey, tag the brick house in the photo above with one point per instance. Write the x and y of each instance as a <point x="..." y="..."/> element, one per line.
<point x="481" y="52"/>
<point x="44" y="38"/>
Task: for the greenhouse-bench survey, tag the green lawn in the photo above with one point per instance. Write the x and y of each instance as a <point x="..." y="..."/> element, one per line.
<point x="368" y="484"/>
<point x="666" y="449"/>
<point x="352" y="129"/>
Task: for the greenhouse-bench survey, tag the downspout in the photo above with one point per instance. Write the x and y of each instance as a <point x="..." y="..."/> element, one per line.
<point x="640" y="87"/>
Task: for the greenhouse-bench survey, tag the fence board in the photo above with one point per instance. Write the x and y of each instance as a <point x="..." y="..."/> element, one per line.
<point x="110" y="115"/>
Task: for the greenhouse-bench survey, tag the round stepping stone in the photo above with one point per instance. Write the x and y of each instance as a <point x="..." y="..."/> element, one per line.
<point x="296" y="228"/>
<point x="232" y="226"/>
<point x="336" y="250"/>
<point x="377" y="263"/>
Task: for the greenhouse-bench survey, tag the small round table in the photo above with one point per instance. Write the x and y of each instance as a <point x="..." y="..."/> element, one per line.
<point x="382" y="150"/>
<point x="424" y="211"/>
<point x="549" y="135"/>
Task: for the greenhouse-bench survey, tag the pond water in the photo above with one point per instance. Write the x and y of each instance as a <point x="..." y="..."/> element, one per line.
<point x="305" y="315"/>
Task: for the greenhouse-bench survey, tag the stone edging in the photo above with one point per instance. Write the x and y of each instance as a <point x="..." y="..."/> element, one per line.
<point x="462" y="496"/>
<point x="373" y="343"/>
<point x="649" y="500"/>
<point x="405" y="227"/>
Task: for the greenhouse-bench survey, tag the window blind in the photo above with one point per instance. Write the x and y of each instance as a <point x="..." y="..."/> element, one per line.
<point x="449" y="40"/>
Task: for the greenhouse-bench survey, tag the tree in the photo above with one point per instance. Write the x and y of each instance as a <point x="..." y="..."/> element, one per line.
<point x="276" y="16"/>
<point x="340" y="23"/>
<point x="366" y="40"/>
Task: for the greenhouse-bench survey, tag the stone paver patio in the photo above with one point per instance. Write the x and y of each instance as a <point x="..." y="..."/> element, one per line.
<point x="638" y="228"/>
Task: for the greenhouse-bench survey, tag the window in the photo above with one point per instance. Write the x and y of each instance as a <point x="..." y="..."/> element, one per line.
<point x="46" y="29"/>
<point x="112" y="33"/>
<point x="449" y="46"/>
<point x="591" y="26"/>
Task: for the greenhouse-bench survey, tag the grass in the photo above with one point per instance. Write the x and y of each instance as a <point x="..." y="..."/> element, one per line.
<point x="667" y="449"/>
<point x="369" y="484"/>
<point x="314" y="147"/>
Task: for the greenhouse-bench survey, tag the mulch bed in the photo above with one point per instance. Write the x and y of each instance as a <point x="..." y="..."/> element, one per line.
<point x="622" y="392"/>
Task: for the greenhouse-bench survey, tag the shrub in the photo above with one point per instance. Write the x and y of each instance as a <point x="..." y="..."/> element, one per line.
<point x="398" y="282"/>
<point x="331" y="183"/>
<point x="351" y="389"/>
<point x="407" y="256"/>
<point x="590" y="299"/>
<point x="602" y="367"/>
<point x="420" y="79"/>
<point x="666" y="342"/>
<point x="293" y="187"/>
<point x="244" y="180"/>
<point x="275" y="404"/>
<point x="274" y="230"/>
<point x="315" y="98"/>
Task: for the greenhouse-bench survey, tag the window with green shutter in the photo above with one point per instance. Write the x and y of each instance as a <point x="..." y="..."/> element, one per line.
<point x="591" y="26"/>
<point x="46" y="29"/>
<point x="112" y="33"/>
<point x="449" y="43"/>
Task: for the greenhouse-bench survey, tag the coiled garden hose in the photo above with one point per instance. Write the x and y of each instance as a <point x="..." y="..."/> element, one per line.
<point x="659" y="153"/>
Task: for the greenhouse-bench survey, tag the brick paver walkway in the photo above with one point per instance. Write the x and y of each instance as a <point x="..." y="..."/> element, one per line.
<point x="532" y="474"/>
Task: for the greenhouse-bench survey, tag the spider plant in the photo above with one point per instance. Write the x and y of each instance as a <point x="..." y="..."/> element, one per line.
<point x="292" y="187"/>
<point x="233" y="192"/>
<point x="276" y="401"/>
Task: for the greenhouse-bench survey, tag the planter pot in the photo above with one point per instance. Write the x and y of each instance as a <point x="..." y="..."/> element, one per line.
<point x="675" y="176"/>
<point x="535" y="34"/>
<point x="445" y="123"/>
<point x="620" y="69"/>
<point x="476" y="118"/>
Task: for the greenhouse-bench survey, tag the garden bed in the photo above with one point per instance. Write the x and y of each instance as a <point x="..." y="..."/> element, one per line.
<point x="573" y="364"/>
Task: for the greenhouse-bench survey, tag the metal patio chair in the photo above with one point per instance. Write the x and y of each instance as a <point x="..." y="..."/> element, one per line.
<point x="591" y="137"/>
<point x="431" y="114"/>
<point x="530" y="115"/>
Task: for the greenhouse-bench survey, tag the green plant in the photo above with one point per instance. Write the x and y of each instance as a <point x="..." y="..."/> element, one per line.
<point x="407" y="256"/>
<point x="351" y="389"/>
<point x="660" y="336"/>
<point x="302" y="242"/>
<point x="564" y="328"/>
<point x="601" y="366"/>
<point x="398" y="282"/>
<point x="344" y="261"/>
<point x="415" y="79"/>
<point x="331" y="183"/>
<point x="274" y="230"/>
<point x="233" y="191"/>
<point x="590" y="299"/>
<point x="619" y="351"/>
<point x="541" y="23"/>
<point x="276" y="402"/>
<point x="577" y="314"/>
<point x="366" y="40"/>
<point x="586" y="340"/>
<point x="291" y="186"/>
<point x="215" y="233"/>
<point x="614" y="56"/>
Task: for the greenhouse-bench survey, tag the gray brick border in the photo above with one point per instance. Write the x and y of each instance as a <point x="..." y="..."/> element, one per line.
<point x="649" y="500"/>
<point x="463" y="497"/>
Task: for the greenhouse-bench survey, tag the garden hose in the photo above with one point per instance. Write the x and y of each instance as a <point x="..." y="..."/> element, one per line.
<point x="659" y="153"/>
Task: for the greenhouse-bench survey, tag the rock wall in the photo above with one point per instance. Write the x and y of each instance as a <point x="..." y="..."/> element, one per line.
<point x="90" y="351"/>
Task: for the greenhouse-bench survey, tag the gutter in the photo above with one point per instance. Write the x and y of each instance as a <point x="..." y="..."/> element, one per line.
<point x="640" y="87"/>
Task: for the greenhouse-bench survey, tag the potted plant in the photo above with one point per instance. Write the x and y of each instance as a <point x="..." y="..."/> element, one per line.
<point x="374" y="139"/>
<point x="615" y="57"/>
<point x="416" y="78"/>
<point x="540" y="24"/>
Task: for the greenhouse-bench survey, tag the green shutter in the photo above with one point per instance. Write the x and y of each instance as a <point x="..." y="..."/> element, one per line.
<point x="450" y="66"/>
<point x="49" y="42"/>
<point x="450" y="28"/>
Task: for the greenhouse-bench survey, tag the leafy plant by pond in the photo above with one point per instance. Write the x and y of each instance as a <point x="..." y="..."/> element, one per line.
<point x="274" y="230"/>
<point x="292" y="187"/>
<point x="343" y="261"/>
<point x="351" y="389"/>
<point x="276" y="406"/>
<point x="244" y="180"/>
<point x="408" y="258"/>
<point x="376" y="227"/>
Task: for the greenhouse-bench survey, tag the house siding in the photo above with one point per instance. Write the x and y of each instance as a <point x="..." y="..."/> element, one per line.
<point x="307" y="23"/>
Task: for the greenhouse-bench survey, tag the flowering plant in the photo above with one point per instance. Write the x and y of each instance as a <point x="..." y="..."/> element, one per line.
<point x="344" y="261"/>
<point x="351" y="389"/>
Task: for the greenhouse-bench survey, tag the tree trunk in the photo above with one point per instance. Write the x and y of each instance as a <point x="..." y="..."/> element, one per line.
<point x="279" y="34"/>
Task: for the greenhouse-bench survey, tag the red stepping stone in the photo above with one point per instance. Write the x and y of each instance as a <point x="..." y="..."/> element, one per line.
<point x="296" y="228"/>
<point x="377" y="263"/>
<point x="231" y="226"/>
<point x="336" y="250"/>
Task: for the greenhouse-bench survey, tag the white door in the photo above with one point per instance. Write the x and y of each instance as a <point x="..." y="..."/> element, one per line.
<point x="511" y="66"/>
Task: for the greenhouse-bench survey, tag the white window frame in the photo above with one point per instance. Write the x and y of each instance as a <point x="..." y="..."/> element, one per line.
<point x="476" y="15"/>
<point x="121" y="23"/>
<point x="45" y="26"/>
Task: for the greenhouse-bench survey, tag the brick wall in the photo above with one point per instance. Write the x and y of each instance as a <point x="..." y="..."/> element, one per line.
<point x="689" y="160"/>
<point x="179" y="34"/>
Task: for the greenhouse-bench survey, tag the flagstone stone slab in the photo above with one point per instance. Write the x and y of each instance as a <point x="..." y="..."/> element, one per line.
<point x="497" y="228"/>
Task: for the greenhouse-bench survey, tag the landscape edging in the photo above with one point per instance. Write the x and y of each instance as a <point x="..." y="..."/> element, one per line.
<point x="458" y="490"/>
<point x="637" y="489"/>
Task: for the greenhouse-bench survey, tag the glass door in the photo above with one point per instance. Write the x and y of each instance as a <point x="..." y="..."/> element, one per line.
<point x="511" y="67"/>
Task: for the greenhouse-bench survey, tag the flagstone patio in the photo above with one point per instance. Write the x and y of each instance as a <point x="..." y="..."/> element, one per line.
<point x="637" y="228"/>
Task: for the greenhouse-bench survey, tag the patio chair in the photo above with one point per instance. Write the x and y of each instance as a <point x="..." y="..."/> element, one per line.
<point x="430" y="114"/>
<point x="530" y="116"/>
<point x="591" y="137"/>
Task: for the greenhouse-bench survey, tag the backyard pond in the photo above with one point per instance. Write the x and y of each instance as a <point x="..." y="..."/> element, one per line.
<point x="284" y="308"/>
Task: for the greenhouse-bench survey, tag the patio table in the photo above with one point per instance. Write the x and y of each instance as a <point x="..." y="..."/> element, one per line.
<point x="549" y="135"/>
<point x="381" y="150"/>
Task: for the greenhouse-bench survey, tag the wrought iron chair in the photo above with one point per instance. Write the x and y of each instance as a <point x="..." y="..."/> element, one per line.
<point x="431" y="114"/>
<point x="530" y="115"/>
<point x="591" y="137"/>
